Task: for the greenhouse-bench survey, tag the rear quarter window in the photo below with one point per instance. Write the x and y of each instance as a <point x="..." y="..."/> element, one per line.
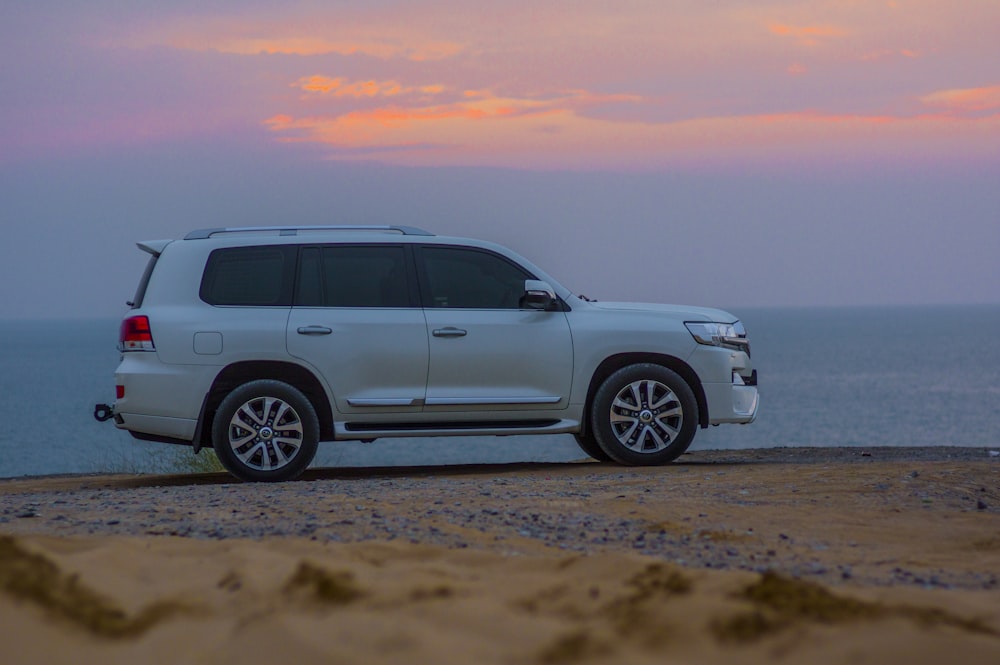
<point x="249" y="276"/>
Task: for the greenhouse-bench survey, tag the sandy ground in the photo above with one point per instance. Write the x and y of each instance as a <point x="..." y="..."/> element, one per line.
<point x="791" y="555"/>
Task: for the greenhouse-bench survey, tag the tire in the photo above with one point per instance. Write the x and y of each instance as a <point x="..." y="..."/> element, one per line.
<point x="644" y="415"/>
<point x="588" y="444"/>
<point x="265" y="431"/>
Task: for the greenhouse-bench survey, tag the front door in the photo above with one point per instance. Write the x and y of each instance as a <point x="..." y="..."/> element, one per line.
<point x="486" y="353"/>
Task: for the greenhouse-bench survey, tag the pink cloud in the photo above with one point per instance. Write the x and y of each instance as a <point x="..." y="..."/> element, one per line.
<point x="886" y="53"/>
<point x="487" y="130"/>
<point x="340" y="87"/>
<point x="807" y="35"/>
<point x="485" y="81"/>
<point x="418" y="51"/>
<point x="353" y="127"/>
<point x="319" y="84"/>
<point x="270" y="34"/>
<point x="959" y="101"/>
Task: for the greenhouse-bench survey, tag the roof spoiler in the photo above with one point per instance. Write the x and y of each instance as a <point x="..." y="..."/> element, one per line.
<point x="154" y="247"/>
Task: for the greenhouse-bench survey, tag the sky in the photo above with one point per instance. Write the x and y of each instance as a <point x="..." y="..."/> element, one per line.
<point x="724" y="153"/>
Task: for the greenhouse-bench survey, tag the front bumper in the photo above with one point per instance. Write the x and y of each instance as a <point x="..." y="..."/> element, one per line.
<point x="746" y="399"/>
<point x="735" y="402"/>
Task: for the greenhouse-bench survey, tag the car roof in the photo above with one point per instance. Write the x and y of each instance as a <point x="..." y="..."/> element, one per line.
<point x="246" y="236"/>
<point x="202" y="234"/>
<point x="295" y="235"/>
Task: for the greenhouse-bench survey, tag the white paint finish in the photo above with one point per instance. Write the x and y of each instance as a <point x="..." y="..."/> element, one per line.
<point x="506" y="357"/>
<point x="372" y="359"/>
<point x="208" y="343"/>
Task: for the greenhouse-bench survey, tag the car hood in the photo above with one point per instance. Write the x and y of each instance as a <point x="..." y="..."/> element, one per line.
<point x="689" y="313"/>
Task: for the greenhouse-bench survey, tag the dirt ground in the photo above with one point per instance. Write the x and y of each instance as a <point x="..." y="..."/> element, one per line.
<point x="797" y="555"/>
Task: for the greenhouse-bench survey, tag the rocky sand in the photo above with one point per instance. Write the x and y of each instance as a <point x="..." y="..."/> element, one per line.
<point x="798" y="555"/>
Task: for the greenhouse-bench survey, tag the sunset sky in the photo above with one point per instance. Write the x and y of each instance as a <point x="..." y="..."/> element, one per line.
<point x="743" y="153"/>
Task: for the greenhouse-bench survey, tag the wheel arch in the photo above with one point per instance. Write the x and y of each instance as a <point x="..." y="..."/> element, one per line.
<point x="614" y="363"/>
<point x="239" y="373"/>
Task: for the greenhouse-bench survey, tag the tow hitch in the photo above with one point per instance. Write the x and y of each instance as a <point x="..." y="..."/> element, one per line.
<point x="103" y="412"/>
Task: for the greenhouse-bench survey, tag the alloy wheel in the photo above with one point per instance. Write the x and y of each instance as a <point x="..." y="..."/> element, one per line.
<point x="265" y="433"/>
<point x="646" y="416"/>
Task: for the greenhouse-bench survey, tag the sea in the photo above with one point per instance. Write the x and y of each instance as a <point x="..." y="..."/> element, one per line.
<point x="847" y="376"/>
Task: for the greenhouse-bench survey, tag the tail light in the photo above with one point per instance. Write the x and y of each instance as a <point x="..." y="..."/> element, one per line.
<point x="135" y="335"/>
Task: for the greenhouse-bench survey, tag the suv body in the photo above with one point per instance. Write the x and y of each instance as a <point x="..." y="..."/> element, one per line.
<point x="263" y="341"/>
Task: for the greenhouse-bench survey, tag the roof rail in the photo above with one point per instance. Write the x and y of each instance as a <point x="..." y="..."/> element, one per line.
<point x="202" y="234"/>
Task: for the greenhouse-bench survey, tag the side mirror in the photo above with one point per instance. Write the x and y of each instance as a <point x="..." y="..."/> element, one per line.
<point x="538" y="295"/>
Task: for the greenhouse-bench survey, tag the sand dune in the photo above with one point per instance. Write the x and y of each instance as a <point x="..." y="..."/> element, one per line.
<point x="166" y="599"/>
<point x="127" y="600"/>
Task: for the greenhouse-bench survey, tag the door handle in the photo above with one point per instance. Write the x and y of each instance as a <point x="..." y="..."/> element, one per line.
<point x="314" y="330"/>
<point x="450" y="332"/>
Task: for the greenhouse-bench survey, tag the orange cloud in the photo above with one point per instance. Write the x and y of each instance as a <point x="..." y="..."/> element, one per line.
<point x="339" y="87"/>
<point x="384" y="128"/>
<point x="495" y="131"/>
<point x="435" y="51"/>
<point x="320" y="84"/>
<point x="882" y="54"/>
<point x="806" y="35"/>
<point x="965" y="100"/>
<point x="279" y="45"/>
<point x="275" y="38"/>
<point x="280" y="122"/>
<point x="815" y="117"/>
<point x="401" y="125"/>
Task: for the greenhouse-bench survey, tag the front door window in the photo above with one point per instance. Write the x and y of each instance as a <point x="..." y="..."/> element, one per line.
<point x="460" y="278"/>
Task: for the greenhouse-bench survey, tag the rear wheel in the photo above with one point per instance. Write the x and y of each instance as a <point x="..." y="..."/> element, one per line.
<point x="265" y="431"/>
<point x="644" y="414"/>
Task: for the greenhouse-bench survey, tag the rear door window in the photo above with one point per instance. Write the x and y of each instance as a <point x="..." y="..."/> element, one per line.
<point x="250" y="276"/>
<point x="355" y="276"/>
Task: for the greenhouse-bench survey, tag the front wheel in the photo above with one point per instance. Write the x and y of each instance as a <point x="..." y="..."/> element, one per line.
<point x="265" y="431"/>
<point x="644" y="415"/>
<point x="589" y="445"/>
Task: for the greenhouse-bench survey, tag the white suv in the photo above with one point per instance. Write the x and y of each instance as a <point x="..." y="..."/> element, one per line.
<point x="261" y="342"/>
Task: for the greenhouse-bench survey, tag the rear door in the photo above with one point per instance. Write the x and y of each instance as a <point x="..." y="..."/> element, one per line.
<point x="357" y="320"/>
<point x="486" y="353"/>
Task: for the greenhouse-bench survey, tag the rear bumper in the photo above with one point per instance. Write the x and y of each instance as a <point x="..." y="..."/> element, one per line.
<point x="158" y="401"/>
<point x="157" y="426"/>
<point x="153" y="389"/>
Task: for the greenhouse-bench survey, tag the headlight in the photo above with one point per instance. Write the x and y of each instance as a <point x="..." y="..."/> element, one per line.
<point x="729" y="335"/>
